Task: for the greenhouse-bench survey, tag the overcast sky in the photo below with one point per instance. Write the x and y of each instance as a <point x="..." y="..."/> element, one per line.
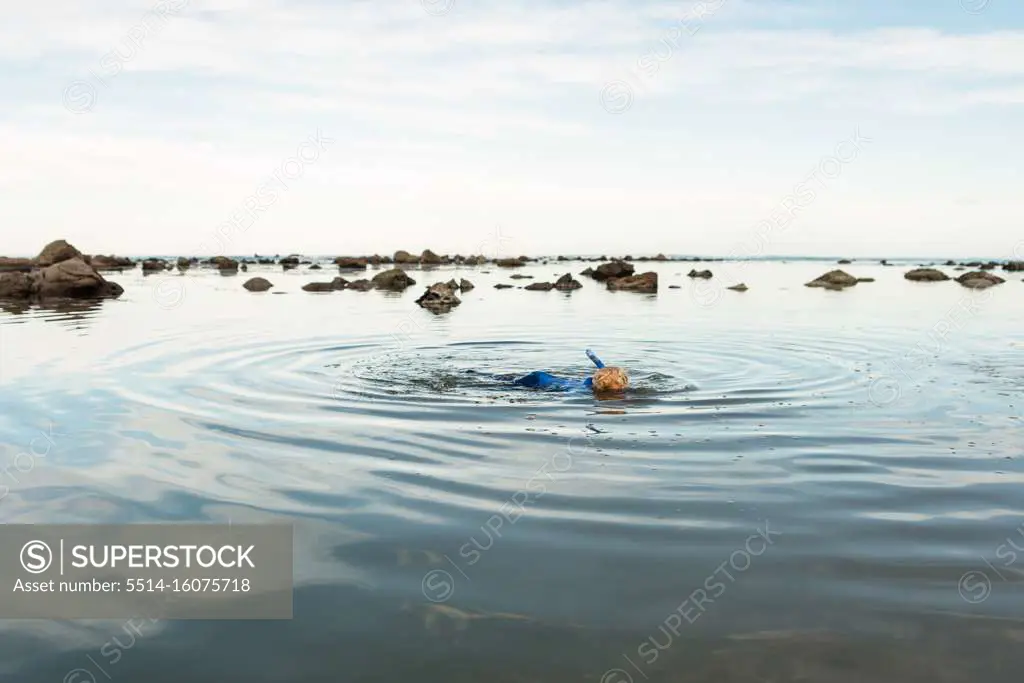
<point x="541" y="126"/>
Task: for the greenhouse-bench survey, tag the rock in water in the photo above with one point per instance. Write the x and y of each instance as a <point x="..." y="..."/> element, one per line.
<point x="55" y="252"/>
<point x="979" y="279"/>
<point x="926" y="275"/>
<point x="16" y="285"/>
<point x="739" y="288"/>
<point x="394" y="280"/>
<point x="566" y="283"/>
<point x="510" y="262"/>
<point x="539" y="286"/>
<point x="464" y="284"/>
<point x="1014" y="266"/>
<point x="73" y="278"/>
<point x="645" y="282"/>
<point x="439" y="298"/>
<point x="502" y="285"/>
<point x="430" y="258"/>
<point x="402" y="256"/>
<point x="257" y="284"/>
<point x="334" y="285"/>
<point x="614" y="269"/>
<point x="358" y="285"/>
<point x="834" y="279"/>
<point x="703" y="274"/>
<point x="350" y="263"/>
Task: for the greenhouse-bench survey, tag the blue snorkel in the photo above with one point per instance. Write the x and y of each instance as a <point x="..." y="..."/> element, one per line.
<point x="592" y="356"/>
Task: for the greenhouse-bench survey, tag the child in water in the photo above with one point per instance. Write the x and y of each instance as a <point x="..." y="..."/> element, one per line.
<point x="606" y="379"/>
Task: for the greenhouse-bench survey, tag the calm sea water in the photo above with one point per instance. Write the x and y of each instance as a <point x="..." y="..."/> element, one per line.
<point x="803" y="485"/>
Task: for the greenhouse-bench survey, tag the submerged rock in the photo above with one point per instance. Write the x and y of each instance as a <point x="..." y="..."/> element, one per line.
<point x="502" y="285"/>
<point x="645" y="282"/>
<point x="394" y="280"/>
<point x="439" y="298"/>
<point x="979" y="280"/>
<point x="520" y="276"/>
<point x="741" y="287"/>
<point x="844" y="262"/>
<point x="926" y="275"/>
<point x="834" y="279"/>
<point x="257" y="284"/>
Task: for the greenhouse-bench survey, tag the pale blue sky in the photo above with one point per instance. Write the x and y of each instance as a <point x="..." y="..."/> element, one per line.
<point x="621" y="125"/>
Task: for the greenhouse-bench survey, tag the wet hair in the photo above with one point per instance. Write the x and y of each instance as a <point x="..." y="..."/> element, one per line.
<point x="610" y="379"/>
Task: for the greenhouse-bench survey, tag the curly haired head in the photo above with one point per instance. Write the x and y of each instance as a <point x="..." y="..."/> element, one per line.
<point x="610" y="379"/>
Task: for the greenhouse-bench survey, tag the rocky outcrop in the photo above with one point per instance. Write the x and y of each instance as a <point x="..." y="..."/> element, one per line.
<point x="703" y="274"/>
<point x="645" y="282"/>
<point x="926" y="275"/>
<point x="55" y="252"/>
<point x="979" y="279"/>
<point x="566" y="283"/>
<point x="1014" y="266"/>
<point x="350" y="263"/>
<point x="394" y="280"/>
<point x="439" y="298"/>
<point x="334" y="285"/>
<point x="257" y="284"/>
<point x="834" y="279"/>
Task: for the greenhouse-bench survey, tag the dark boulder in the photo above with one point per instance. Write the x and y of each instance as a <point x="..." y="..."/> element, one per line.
<point x="334" y="285"/>
<point x="394" y="280"/>
<point x="429" y="258"/>
<point x="358" y="285"/>
<point x="539" y="286"/>
<point x="439" y="298"/>
<point x="703" y="274"/>
<point x="101" y="262"/>
<point x="520" y="276"/>
<point x="402" y="256"/>
<point x="567" y="284"/>
<point x="16" y="285"/>
<point x="464" y="285"/>
<point x="613" y="269"/>
<point x="55" y="252"/>
<point x="16" y="264"/>
<point x="350" y="263"/>
<point x="153" y="265"/>
<point x="979" y="280"/>
<point x="315" y="266"/>
<point x="645" y="282"/>
<point x="834" y="279"/>
<point x="741" y="287"/>
<point x="502" y="285"/>
<point x="1014" y="266"/>
<point x="925" y="275"/>
<point x="73" y="278"/>
<point x="510" y="262"/>
<point x="257" y="284"/>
